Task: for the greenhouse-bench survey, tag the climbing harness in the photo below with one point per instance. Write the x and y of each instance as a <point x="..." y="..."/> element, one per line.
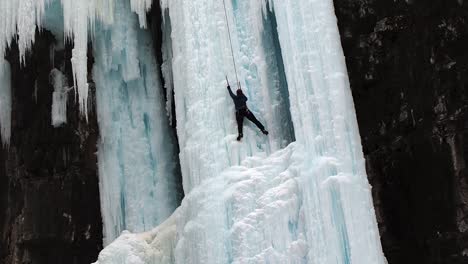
<point x="230" y="42"/>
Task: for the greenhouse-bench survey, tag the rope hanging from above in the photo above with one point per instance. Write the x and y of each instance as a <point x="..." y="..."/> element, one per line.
<point x="230" y="42"/>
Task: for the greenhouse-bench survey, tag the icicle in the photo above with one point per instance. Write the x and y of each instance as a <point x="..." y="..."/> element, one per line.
<point x="136" y="158"/>
<point x="141" y="7"/>
<point x="8" y="14"/>
<point x="26" y="27"/>
<point x="5" y="101"/>
<point x="76" y="15"/>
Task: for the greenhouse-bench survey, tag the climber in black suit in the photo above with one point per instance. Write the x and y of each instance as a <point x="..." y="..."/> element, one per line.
<point x="240" y="102"/>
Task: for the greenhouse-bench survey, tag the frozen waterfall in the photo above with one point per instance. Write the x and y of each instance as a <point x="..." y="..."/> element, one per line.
<point x="137" y="158"/>
<point x="299" y="195"/>
<point x="258" y="201"/>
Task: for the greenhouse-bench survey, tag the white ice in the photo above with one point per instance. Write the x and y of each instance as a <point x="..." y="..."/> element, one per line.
<point x="200" y="60"/>
<point x="262" y="200"/>
<point x="136" y="158"/>
<point x="59" y="97"/>
<point x="21" y="18"/>
<point x="255" y="201"/>
<point x="136" y="151"/>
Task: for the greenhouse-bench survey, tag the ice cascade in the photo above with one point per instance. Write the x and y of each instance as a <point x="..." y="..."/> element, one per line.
<point x="136" y="157"/>
<point x="21" y="18"/>
<point x="264" y="200"/>
<point x="299" y="195"/>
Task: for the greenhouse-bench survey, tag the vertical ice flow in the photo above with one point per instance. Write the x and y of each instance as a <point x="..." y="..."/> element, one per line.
<point x="22" y="17"/>
<point x="136" y="151"/>
<point x="136" y="154"/>
<point x="249" y="202"/>
<point x="201" y="58"/>
<point x="336" y="189"/>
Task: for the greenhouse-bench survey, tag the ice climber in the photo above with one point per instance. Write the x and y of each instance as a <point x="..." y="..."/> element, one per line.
<point x="240" y="102"/>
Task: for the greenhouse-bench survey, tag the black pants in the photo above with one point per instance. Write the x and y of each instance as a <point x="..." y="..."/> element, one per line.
<point x="241" y="113"/>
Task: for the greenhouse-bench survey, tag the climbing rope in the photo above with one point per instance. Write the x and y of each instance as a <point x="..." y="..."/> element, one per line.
<point x="230" y="41"/>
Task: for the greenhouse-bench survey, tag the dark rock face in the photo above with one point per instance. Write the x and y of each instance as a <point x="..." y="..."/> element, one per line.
<point x="408" y="67"/>
<point x="49" y="196"/>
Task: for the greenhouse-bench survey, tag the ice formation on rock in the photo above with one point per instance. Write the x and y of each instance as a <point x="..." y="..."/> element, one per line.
<point x="256" y="202"/>
<point x="299" y="195"/>
<point x="137" y="158"/>
<point x="21" y="18"/>
<point x="59" y="97"/>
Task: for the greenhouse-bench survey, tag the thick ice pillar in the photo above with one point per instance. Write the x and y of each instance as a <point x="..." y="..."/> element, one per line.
<point x="335" y="187"/>
<point x="136" y="153"/>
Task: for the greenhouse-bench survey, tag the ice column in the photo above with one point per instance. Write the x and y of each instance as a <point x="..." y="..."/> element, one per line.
<point x="5" y="101"/>
<point x="76" y="15"/>
<point x="136" y="155"/>
<point x="59" y="97"/>
<point x="340" y="218"/>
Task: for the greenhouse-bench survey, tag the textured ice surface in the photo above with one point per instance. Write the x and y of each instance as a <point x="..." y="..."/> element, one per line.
<point x="250" y="219"/>
<point x="70" y="19"/>
<point x="201" y="58"/>
<point x="254" y="201"/>
<point x="136" y="154"/>
<point x="5" y="101"/>
<point x="263" y="200"/>
<point x="59" y="97"/>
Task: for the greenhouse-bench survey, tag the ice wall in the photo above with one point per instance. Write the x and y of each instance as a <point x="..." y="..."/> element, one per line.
<point x="337" y="192"/>
<point x="248" y="202"/>
<point x="201" y="58"/>
<point x="136" y="156"/>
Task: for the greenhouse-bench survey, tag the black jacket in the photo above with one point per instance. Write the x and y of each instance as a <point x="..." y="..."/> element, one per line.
<point x="240" y="101"/>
